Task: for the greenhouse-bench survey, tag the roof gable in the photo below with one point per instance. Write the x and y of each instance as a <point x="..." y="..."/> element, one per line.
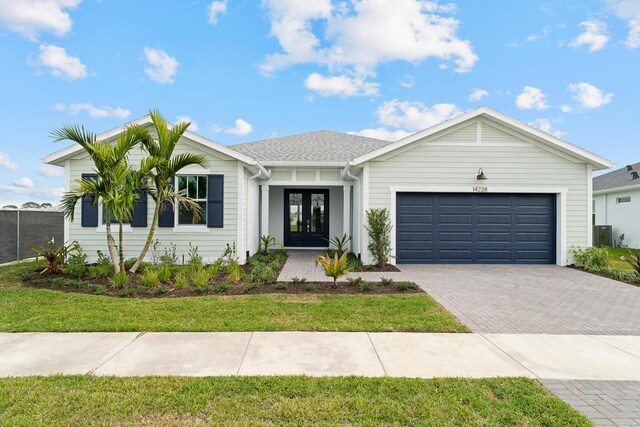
<point x="526" y="131"/>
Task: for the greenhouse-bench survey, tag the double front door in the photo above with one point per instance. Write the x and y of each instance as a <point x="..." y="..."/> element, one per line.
<point x="306" y="222"/>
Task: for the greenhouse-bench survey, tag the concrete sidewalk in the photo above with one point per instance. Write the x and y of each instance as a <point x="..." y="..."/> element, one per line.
<point x="575" y="357"/>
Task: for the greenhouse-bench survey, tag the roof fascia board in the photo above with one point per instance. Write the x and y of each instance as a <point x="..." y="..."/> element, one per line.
<point x="617" y="189"/>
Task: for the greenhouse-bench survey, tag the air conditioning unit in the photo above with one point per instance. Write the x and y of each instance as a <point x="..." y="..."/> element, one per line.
<point x="602" y="235"/>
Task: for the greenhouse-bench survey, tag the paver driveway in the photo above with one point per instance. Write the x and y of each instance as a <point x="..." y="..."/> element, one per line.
<point x="544" y="299"/>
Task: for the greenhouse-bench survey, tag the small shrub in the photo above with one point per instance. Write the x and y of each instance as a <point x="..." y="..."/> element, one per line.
<point x="181" y="281"/>
<point x="102" y="258"/>
<point x="148" y="279"/>
<point x="379" y="229"/>
<point x="99" y="289"/>
<point x="311" y="288"/>
<point x="128" y="263"/>
<point x="403" y="286"/>
<point x="129" y="292"/>
<point x="266" y="242"/>
<point x="201" y="289"/>
<point x="77" y="283"/>
<point x="213" y="269"/>
<point x="100" y="271"/>
<point x="333" y="267"/>
<point x="353" y="262"/>
<point x="223" y="287"/>
<point x="340" y="243"/>
<point x="249" y="287"/>
<point x="385" y="281"/>
<point x="195" y="260"/>
<point x="234" y="271"/>
<point x="169" y="258"/>
<point x="58" y="281"/>
<point x="355" y="281"/>
<point x="76" y="263"/>
<point x="144" y="266"/>
<point x="53" y="255"/>
<point x="120" y="280"/>
<point x="590" y="258"/>
<point x="262" y="274"/>
<point x="27" y="275"/>
<point x="283" y="286"/>
<point x="162" y="290"/>
<point x="201" y="278"/>
<point x="164" y="273"/>
<point x="366" y="286"/>
<point x="298" y="280"/>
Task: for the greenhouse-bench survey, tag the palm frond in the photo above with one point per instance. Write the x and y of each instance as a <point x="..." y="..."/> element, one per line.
<point x="183" y="160"/>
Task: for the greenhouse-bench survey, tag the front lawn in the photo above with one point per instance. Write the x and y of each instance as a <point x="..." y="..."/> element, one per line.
<point x="614" y="259"/>
<point x="74" y="400"/>
<point x="27" y="309"/>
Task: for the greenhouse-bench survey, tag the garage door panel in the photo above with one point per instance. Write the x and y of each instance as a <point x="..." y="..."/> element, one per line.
<point x="468" y="228"/>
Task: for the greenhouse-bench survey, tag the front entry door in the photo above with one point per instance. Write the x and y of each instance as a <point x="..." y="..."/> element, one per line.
<point x="306" y="222"/>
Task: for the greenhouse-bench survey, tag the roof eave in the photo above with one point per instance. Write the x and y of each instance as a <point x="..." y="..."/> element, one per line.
<point x="617" y="189"/>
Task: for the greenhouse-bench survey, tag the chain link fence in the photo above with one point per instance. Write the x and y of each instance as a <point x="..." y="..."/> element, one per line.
<point x="22" y="227"/>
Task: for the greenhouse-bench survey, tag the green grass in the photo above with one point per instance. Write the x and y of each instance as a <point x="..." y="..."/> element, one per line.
<point x="27" y="309"/>
<point x="614" y="259"/>
<point x="164" y="401"/>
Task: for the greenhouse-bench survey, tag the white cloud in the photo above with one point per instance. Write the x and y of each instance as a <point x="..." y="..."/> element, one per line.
<point x="342" y="85"/>
<point x="383" y="134"/>
<point x="566" y="108"/>
<point x="595" y="36"/>
<point x="531" y="98"/>
<point x="408" y="82"/>
<point x="61" y="65"/>
<point x="162" y="66"/>
<point x="589" y="96"/>
<point x="42" y="193"/>
<point x="241" y="128"/>
<point x="477" y="95"/>
<point x="216" y="8"/>
<point x="545" y="125"/>
<point x="93" y="111"/>
<point x="546" y="31"/>
<point x="414" y="115"/>
<point x="357" y="36"/>
<point x="31" y="17"/>
<point x="24" y="182"/>
<point x="194" y="125"/>
<point x="50" y="171"/>
<point x="628" y="10"/>
<point x="6" y="163"/>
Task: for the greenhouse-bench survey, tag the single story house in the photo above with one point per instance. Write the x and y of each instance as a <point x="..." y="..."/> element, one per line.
<point x="478" y="188"/>
<point x="616" y="202"/>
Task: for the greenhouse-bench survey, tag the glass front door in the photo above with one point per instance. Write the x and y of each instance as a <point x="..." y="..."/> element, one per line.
<point x="306" y="218"/>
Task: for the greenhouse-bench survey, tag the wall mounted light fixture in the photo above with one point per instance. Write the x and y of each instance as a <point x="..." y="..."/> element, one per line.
<point x="481" y="176"/>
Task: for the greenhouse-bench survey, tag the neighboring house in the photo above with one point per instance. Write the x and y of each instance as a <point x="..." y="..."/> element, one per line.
<point x="616" y="202"/>
<point x="479" y="188"/>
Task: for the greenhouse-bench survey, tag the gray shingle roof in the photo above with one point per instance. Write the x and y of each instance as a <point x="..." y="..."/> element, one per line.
<point x="321" y="146"/>
<point x="616" y="179"/>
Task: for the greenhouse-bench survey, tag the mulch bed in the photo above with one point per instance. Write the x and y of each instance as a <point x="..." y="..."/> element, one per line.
<point x="629" y="282"/>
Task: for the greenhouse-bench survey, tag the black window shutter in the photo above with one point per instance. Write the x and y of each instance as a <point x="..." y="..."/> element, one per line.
<point x="215" y="201"/>
<point x="139" y="216"/>
<point x="167" y="217"/>
<point x="89" y="211"/>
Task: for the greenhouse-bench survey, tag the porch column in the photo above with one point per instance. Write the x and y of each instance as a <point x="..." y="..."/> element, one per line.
<point x="346" y="211"/>
<point x="264" y="215"/>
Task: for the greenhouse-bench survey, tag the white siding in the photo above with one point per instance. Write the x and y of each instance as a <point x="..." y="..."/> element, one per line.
<point x="623" y="217"/>
<point x="210" y="241"/>
<point x="507" y="160"/>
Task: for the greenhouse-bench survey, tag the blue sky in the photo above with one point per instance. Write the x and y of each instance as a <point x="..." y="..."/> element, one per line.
<point x="248" y="70"/>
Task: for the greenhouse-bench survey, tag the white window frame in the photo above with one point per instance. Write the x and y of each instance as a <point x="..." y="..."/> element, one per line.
<point x="202" y="228"/>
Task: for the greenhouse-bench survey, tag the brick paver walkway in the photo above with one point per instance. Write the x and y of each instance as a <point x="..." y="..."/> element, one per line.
<point x="535" y="299"/>
<point x="606" y="403"/>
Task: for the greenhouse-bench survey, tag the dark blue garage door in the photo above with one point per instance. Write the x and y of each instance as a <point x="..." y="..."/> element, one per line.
<point x="476" y="228"/>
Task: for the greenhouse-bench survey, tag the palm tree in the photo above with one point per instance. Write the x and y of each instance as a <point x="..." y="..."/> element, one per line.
<point x="160" y="167"/>
<point x="116" y="182"/>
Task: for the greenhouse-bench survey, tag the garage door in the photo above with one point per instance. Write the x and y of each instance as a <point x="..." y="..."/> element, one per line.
<point x="475" y="228"/>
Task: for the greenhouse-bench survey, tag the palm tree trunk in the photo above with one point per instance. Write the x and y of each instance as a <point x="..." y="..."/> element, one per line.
<point x="120" y="247"/>
<point x="147" y="245"/>
<point x="110" y="242"/>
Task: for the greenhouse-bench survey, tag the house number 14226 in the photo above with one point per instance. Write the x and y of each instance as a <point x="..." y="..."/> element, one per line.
<point x="480" y="189"/>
